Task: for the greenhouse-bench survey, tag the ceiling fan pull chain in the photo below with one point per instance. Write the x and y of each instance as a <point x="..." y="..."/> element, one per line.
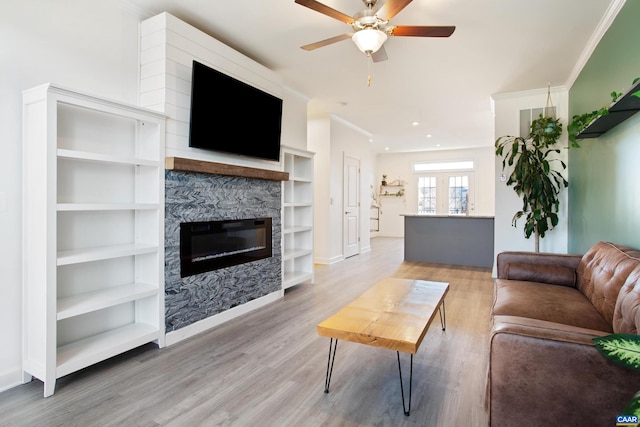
<point x="368" y="70"/>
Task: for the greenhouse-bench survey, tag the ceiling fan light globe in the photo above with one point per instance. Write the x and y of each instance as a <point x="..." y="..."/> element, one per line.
<point x="369" y="40"/>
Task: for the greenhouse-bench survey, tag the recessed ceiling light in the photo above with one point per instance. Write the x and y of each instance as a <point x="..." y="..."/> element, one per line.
<point x="428" y="135"/>
<point x="386" y="148"/>
<point x="415" y="123"/>
<point x="437" y="145"/>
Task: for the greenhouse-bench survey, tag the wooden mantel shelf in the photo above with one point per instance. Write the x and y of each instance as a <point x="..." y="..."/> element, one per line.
<point x="202" y="166"/>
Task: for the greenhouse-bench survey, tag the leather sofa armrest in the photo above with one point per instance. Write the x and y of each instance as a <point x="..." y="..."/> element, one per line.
<point x="537" y="261"/>
<point x="544" y="373"/>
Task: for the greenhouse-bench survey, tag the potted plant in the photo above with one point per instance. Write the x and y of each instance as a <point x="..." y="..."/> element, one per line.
<point x="623" y="349"/>
<point x="533" y="178"/>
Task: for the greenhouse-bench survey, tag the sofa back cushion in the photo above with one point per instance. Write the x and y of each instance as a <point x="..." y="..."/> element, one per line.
<point x="602" y="272"/>
<point x="626" y="318"/>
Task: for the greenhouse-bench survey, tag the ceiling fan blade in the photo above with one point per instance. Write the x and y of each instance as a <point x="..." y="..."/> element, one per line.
<point x="379" y="55"/>
<point x="391" y="8"/>
<point x="331" y="40"/>
<point x="326" y="10"/>
<point x="419" y="31"/>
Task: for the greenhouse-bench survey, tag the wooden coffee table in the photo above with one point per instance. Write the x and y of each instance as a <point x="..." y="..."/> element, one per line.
<point x="393" y="314"/>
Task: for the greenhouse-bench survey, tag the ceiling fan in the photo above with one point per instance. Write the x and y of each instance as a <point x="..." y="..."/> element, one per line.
<point x="371" y="27"/>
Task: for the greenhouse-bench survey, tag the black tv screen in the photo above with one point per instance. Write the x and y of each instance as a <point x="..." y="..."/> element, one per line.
<point x="231" y="116"/>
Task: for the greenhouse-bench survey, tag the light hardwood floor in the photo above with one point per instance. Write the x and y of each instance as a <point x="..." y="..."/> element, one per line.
<point x="267" y="368"/>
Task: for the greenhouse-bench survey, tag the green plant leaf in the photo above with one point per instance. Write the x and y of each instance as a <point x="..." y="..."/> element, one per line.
<point x="623" y="349"/>
<point x="633" y="407"/>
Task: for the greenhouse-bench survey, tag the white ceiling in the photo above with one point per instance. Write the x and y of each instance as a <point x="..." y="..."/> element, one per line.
<point x="444" y="84"/>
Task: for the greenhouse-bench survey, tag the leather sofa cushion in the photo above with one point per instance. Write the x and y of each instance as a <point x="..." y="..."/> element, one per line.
<point x="551" y="274"/>
<point x="626" y="319"/>
<point x="546" y="374"/>
<point x="553" y="303"/>
<point x="602" y="272"/>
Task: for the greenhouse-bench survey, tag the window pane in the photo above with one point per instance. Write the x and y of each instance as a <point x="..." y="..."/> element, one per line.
<point x="442" y="166"/>
<point x="458" y="194"/>
<point x="427" y="195"/>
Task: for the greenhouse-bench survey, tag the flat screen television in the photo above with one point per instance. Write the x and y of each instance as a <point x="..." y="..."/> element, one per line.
<point x="231" y="116"/>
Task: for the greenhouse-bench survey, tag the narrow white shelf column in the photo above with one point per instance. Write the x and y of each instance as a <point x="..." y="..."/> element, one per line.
<point x="297" y="217"/>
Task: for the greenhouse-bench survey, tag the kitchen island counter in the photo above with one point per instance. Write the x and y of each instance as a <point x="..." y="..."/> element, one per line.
<point x="449" y="239"/>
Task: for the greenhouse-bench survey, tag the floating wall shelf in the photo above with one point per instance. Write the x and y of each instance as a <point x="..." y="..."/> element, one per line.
<point x="626" y="106"/>
<point x="202" y="166"/>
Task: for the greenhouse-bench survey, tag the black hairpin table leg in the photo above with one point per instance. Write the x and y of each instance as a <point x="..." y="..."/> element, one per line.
<point x="330" y="360"/>
<point x="443" y="316"/>
<point x="407" y="410"/>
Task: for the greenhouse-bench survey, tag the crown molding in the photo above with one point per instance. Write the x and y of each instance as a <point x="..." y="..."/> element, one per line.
<point x="600" y="31"/>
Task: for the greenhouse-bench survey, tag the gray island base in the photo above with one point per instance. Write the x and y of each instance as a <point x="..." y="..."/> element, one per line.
<point x="441" y="239"/>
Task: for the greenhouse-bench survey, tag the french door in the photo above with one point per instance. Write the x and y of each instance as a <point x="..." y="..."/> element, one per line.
<point x="446" y="193"/>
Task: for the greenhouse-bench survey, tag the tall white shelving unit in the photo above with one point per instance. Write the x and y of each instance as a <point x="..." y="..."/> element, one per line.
<point x="297" y="217"/>
<point x="93" y="248"/>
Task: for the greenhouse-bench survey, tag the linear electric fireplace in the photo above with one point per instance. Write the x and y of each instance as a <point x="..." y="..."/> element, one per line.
<point x="210" y="245"/>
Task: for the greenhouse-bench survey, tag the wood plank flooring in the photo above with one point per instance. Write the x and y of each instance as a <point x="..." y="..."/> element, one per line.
<point x="267" y="368"/>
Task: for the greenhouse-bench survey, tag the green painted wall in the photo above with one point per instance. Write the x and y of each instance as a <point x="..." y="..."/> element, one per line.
<point x="604" y="174"/>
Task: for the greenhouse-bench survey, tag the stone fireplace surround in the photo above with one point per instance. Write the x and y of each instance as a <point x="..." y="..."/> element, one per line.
<point x="216" y="193"/>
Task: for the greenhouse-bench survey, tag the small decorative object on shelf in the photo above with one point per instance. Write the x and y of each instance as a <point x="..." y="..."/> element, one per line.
<point x="393" y="188"/>
<point x="384" y="180"/>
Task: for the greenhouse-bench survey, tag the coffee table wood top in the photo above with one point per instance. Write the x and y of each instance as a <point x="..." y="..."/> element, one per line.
<point x="393" y="314"/>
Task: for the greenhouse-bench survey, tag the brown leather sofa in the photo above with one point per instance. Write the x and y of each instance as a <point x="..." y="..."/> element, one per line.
<point x="543" y="367"/>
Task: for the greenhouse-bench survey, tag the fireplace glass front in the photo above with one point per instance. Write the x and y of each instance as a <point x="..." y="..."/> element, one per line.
<point x="210" y="245"/>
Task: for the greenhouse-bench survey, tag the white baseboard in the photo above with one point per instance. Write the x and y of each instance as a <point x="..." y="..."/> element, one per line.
<point x="220" y="318"/>
<point x="389" y="235"/>
<point x="10" y="379"/>
<point x="328" y="261"/>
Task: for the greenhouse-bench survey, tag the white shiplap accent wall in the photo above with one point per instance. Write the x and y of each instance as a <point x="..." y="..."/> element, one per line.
<point x="167" y="48"/>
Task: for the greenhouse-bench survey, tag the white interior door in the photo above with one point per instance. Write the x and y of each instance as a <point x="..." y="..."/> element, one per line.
<point x="351" y="235"/>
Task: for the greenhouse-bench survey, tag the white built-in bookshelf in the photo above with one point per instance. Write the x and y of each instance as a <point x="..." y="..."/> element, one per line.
<point x="93" y="246"/>
<point x="297" y="217"/>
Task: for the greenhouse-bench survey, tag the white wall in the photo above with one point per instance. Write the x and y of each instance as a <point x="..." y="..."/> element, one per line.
<point x="86" y="45"/>
<point x="294" y="114"/>
<point x="319" y="141"/>
<point x="507" y="118"/>
<point x="400" y="166"/>
<point x="331" y="138"/>
<point x="168" y="47"/>
<point x="350" y="140"/>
